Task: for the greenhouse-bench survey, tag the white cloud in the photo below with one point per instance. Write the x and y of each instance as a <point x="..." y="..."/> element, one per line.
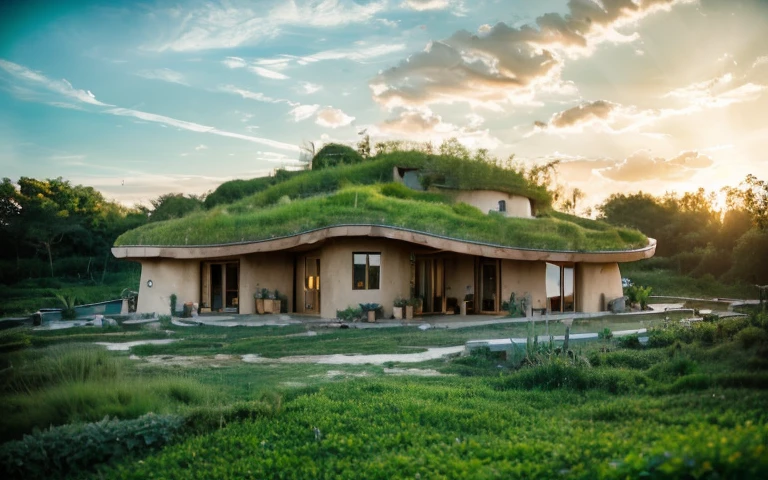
<point x="422" y="5"/>
<point x="760" y="61"/>
<point x="422" y="124"/>
<point x="310" y="88"/>
<point x="503" y="64"/>
<point x="333" y="118"/>
<point x="231" y="24"/>
<point x="164" y="75"/>
<point x="234" y="62"/>
<point x="303" y="112"/>
<point x="61" y="87"/>
<point x="258" y="96"/>
<point x="266" y="73"/>
<point x="642" y="166"/>
<point x="201" y="147"/>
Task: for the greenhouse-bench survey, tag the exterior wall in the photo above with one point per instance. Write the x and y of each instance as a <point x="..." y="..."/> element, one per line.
<point x="488" y="200"/>
<point x="336" y="291"/>
<point x="168" y="276"/>
<point x="596" y="285"/>
<point x="273" y="271"/>
<point x="459" y="276"/>
<point x="524" y="277"/>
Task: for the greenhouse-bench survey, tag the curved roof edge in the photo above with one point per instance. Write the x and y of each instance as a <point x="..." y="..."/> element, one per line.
<point x="419" y="238"/>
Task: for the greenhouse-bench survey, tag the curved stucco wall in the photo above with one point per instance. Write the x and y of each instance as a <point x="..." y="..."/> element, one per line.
<point x="488" y="200"/>
<point x="596" y="285"/>
<point x="168" y="276"/>
<point x="336" y="275"/>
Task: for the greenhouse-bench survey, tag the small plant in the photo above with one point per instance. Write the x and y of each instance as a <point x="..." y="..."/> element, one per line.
<point x="605" y="334"/>
<point x="68" y="312"/>
<point x="349" y="314"/>
<point x="415" y="302"/>
<point x="630" y="341"/>
<point x="370" y="307"/>
<point x="174" y="298"/>
<point x="400" y="302"/>
<point x="639" y="295"/>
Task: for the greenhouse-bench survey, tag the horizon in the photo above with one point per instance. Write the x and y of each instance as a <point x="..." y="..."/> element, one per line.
<point x="142" y="100"/>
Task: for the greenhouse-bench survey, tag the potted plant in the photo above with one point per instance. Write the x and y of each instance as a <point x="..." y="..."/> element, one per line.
<point x="370" y="310"/>
<point x="261" y="296"/>
<point x="399" y="303"/>
<point x="413" y="303"/>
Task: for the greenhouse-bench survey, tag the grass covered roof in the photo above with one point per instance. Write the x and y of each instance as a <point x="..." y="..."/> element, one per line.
<point x="302" y="203"/>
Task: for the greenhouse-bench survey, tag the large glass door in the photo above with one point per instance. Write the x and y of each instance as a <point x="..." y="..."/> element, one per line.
<point x="489" y="285"/>
<point x="430" y="284"/>
<point x="221" y="286"/>
<point x="312" y="285"/>
<point x="561" y="289"/>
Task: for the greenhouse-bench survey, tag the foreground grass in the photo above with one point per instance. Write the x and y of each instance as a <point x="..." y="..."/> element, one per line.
<point x="472" y="428"/>
<point x="689" y="404"/>
<point x="390" y="205"/>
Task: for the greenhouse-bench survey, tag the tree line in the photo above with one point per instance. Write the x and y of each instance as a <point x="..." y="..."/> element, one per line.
<point x="696" y="236"/>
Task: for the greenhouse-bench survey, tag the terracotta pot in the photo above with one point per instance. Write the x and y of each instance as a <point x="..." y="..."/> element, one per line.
<point x="398" y="312"/>
<point x="409" y="312"/>
<point x="371" y="316"/>
<point x="260" y="305"/>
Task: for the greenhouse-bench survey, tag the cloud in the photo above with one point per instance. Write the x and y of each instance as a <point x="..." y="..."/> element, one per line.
<point x="163" y="74"/>
<point x="201" y="147"/>
<point x="422" y="124"/>
<point x="266" y="73"/>
<point x="585" y="112"/>
<point x="608" y="117"/>
<point x="422" y="5"/>
<point x="361" y="54"/>
<point x="760" y="61"/>
<point x="303" y="112"/>
<point x="234" y="62"/>
<point x="310" y="88"/>
<point x="641" y="166"/>
<point x="61" y="87"/>
<point x="257" y="96"/>
<point x="232" y="24"/>
<point x="333" y="118"/>
<point x="65" y="88"/>
<point x="500" y="63"/>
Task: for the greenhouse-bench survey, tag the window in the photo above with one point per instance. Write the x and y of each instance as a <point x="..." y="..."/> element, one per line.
<point x="366" y="271"/>
<point x="502" y="205"/>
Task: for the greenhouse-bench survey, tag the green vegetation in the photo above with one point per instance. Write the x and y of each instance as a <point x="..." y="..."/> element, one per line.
<point x="379" y="205"/>
<point x="703" y="249"/>
<point x="334" y="154"/>
<point x="690" y="402"/>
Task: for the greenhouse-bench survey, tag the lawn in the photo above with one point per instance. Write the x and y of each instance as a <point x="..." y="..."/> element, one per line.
<point x="689" y="403"/>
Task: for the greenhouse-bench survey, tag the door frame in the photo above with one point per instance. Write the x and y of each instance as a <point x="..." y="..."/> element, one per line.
<point x="206" y="284"/>
<point x="480" y="262"/>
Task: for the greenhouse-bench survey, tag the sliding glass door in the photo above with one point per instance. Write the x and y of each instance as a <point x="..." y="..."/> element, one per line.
<point x="561" y="288"/>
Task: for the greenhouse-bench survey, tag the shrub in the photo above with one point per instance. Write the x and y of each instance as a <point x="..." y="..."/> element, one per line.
<point x="173" y="304"/>
<point x="71" y="448"/>
<point x="561" y="375"/>
<point x="630" y="341"/>
<point x="677" y="367"/>
<point x="68" y="306"/>
<point x="638" y="294"/>
<point x="605" y="334"/>
<point x="349" y="314"/>
<point x="751" y="336"/>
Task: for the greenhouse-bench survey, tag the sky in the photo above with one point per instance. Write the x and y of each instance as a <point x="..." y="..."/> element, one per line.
<point x="142" y="98"/>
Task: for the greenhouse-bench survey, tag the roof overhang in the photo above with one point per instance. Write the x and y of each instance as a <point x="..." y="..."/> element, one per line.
<point x="377" y="231"/>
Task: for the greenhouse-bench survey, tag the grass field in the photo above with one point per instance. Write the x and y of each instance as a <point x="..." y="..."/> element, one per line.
<point x="689" y="403"/>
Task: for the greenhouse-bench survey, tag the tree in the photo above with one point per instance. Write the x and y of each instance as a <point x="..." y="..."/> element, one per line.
<point x="335" y="154"/>
<point x="174" y="205"/>
<point x="751" y="196"/>
<point x="364" y="146"/>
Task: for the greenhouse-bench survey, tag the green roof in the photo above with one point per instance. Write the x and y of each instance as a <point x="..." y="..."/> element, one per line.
<point x="286" y="209"/>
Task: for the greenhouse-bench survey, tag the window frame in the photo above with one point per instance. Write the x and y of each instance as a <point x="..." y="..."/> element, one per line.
<point x="367" y="270"/>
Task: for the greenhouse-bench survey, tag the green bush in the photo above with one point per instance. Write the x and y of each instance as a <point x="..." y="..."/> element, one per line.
<point x="751" y="336"/>
<point x="561" y="375"/>
<point x="350" y="314"/>
<point x="630" y="341"/>
<point x="70" y="449"/>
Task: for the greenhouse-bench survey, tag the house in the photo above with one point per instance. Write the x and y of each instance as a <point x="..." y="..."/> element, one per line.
<point x="373" y="243"/>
